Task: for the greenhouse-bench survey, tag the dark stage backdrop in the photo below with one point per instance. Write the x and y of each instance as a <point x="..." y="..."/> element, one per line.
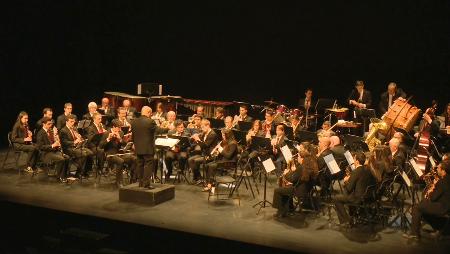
<point x="58" y="51"/>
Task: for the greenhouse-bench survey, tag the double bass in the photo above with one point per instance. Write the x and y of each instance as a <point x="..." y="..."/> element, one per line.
<point x="424" y="140"/>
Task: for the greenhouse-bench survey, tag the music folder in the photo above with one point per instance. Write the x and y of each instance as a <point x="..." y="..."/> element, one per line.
<point x="183" y="140"/>
<point x="166" y="142"/>
<point x="269" y="166"/>
<point x="240" y="137"/>
<point x="216" y="123"/>
<point x="331" y="164"/>
<point x="287" y="154"/>
<point x="307" y="136"/>
<point x="245" y="126"/>
<point x="260" y="143"/>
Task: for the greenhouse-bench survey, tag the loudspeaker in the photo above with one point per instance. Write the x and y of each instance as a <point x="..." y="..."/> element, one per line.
<point x="149" y="89"/>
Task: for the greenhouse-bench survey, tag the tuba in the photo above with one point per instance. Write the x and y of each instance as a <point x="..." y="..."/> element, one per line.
<point x="377" y="125"/>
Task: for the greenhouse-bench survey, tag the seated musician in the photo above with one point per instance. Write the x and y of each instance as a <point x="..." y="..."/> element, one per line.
<point x="225" y="151"/>
<point x="298" y="179"/>
<point x="129" y="110"/>
<point x="387" y="98"/>
<point x="325" y="176"/>
<point x="228" y="122"/>
<point x="397" y="156"/>
<point x="205" y="142"/>
<point x="22" y="140"/>
<point x="92" y="108"/>
<point x="295" y="124"/>
<point x="112" y="142"/>
<point x="95" y="129"/>
<point x="46" y="112"/>
<point x="446" y="117"/>
<point x="178" y="153"/>
<point x="380" y="163"/>
<point x="268" y="126"/>
<point x="326" y="130"/>
<point x="61" y="119"/>
<point x="106" y="109"/>
<point x="256" y="130"/>
<point x="169" y="123"/>
<point x="338" y="150"/>
<point x="196" y="124"/>
<point x="219" y="113"/>
<point x="159" y="115"/>
<point x="70" y="140"/>
<point x="277" y="142"/>
<point x="243" y="116"/>
<point x="435" y="203"/>
<point x="359" y="98"/>
<point x="200" y="111"/>
<point x="47" y="141"/>
<point x="355" y="186"/>
<point x="122" y="117"/>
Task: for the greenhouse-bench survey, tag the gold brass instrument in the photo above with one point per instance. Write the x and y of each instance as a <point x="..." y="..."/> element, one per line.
<point x="431" y="178"/>
<point x="377" y="125"/>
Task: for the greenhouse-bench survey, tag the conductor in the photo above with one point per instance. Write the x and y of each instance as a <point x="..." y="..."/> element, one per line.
<point x="143" y="129"/>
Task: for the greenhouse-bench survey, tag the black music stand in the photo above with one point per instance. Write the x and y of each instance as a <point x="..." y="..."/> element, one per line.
<point x="288" y="132"/>
<point x="241" y="137"/>
<point x="365" y="114"/>
<point x="160" y="157"/>
<point x="308" y="136"/>
<point x="184" y="142"/>
<point x="216" y="123"/>
<point x="354" y="143"/>
<point x="264" y="203"/>
<point x="245" y="126"/>
<point x="260" y="143"/>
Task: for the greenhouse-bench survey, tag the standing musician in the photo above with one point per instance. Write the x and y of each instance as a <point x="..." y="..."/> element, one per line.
<point x="307" y="102"/>
<point x="220" y="113"/>
<point x="268" y="126"/>
<point x="130" y="110"/>
<point x="22" y="140"/>
<point x="243" y="116"/>
<point x="92" y="108"/>
<point x="159" y="115"/>
<point x="112" y="143"/>
<point x="355" y="186"/>
<point x="46" y="112"/>
<point x="143" y="137"/>
<point x="178" y="153"/>
<point x="48" y="142"/>
<point x="96" y="128"/>
<point x="298" y="179"/>
<point x="387" y="98"/>
<point x="225" y="152"/>
<point x="359" y="98"/>
<point x="61" y="119"/>
<point x="278" y="141"/>
<point x="435" y="203"/>
<point x="205" y="142"/>
<point x="71" y="142"/>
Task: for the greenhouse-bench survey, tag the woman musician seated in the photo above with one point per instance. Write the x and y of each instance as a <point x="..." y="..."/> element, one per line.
<point x="298" y="179"/>
<point x="22" y="140"/>
<point x="225" y="151"/>
<point x="112" y="142"/>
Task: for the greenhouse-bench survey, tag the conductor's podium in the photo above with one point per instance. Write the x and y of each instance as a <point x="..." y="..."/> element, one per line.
<point x="135" y="194"/>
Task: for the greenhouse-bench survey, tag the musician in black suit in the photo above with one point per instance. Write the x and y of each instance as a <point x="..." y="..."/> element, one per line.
<point x="355" y="186"/>
<point x="22" y="140"/>
<point x="51" y="152"/>
<point x="92" y="108"/>
<point x="46" y="112"/>
<point x="72" y="145"/>
<point x="143" y="129"/>
<point x="108" y="112"/>
<point x="205" y="142"/>
<point x="397" y="156"/>
<point x="338" y="151"/>
<point x="179" y="152"/>
<point x="93" y="132"/>
<point x="225" y="152"/>
<point x="387" y="98"/>
<point x="324" y="172"/>
<point x="242" y="117"/>
<point x="112" y="142"/>
<point x="436" y="202"/>
<point x="130" y="110"/>
<point x="307" y="103"/>
<point x="277" y="142"/>
<point x="360" y="98"/>
<point x="61" y="119"/>
<point x="268" y="126"/>
<point x="296" y="127"/>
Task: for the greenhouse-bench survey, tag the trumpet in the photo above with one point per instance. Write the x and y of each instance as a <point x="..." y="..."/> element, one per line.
<point x="215" y="152"/>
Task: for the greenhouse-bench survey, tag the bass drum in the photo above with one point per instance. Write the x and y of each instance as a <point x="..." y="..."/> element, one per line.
<point x="400" y="115"/>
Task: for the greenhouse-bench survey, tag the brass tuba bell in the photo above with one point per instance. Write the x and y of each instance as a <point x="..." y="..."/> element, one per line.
<point x="377" y="125"/>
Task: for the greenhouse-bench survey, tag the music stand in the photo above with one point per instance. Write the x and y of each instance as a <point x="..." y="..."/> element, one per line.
<point x="354" y="143"/>
<point x="365" y="114"/>
<point x="269" y="166"/>
<point x="163" y="143"/>
<point x="241" y="137"/>
<point x="288" y="132"/>
<point x="216" y="123"/>
<point x="245" y="126"/>
<point x="307" y="136"/>
<point x="260" y="143"/>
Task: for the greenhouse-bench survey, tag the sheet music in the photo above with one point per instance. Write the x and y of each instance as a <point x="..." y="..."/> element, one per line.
<point x="406" y="179"/>
<point x="332" y="164"/>
<point x="350" y="160"/>
<point x="415" y="167"/>
<point x="167" y="142"/>
<point x="286" y="153"/>
<point x="268" y="165"/>
<point x="433" y="163"/>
